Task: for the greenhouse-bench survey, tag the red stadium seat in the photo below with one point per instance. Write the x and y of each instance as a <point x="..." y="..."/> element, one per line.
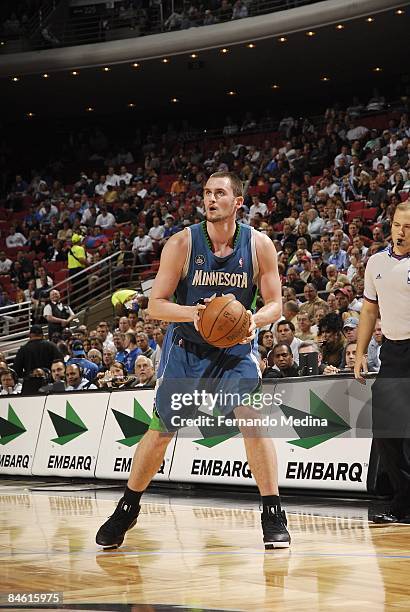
<point x="352" y="206"/>
<point x="352" y="214"/>
<point x="369" y="214"/>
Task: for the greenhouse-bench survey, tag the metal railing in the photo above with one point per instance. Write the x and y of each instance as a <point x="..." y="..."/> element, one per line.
<point x="15" y="323"/>
<point x="110" y="24"/>
<point x="81" y="291"/>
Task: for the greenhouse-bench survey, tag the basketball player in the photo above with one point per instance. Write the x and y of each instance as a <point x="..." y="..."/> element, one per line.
<point x="247" y="260"/>
<point x="387" y="288"/>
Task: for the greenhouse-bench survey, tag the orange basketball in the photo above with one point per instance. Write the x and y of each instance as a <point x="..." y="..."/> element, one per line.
<point x="224" y="322"/>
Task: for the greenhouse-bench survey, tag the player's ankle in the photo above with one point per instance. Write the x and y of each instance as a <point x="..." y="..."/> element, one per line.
<point x="271" y="501"/>
<point x="131" y="497"/>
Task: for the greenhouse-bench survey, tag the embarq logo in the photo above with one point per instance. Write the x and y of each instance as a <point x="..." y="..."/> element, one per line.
<point x="11" y="427"/>
<point x="67" y="428"/>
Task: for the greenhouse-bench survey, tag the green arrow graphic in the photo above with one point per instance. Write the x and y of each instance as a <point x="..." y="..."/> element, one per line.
<point x="10" y="428"/>
<point x="310" y="436"/>
<point x="133" y="427"/>
<point x="69" y="427"/>
<point x="215" y="433"/>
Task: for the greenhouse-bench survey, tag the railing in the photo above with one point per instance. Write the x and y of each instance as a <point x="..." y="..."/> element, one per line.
<point x="81" y="291"/>
<point x="15" y="323"/>
<point x="109" y="24"/>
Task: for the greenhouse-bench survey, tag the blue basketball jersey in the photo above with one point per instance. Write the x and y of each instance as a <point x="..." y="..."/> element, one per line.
<point x="205" y="274"/>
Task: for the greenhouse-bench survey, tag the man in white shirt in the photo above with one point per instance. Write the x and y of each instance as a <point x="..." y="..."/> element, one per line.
<point x="125" y="176"/>
<point x="141" y="191"/>
<point x="356" y="132"/>
<point x="75" y="379"/>
<point x="156" y="233"/>
<point x="101" y="187"/>
<point x="112" y="178"/>
<point x="315" y="224"/>
<point x="257" y="207"/>
<point x="105" y="219"/>
<point x="5" y="263"/>
<point x="142" y="246"/>
<point x="394" y="144"/>
<point x="15" y="239"/>
<point x="343" y="155"/>
<point x="380" y="159"/>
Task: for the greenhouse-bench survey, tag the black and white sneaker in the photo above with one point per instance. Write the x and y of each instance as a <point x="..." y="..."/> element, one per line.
<point x="111" y="534"/>
<point x="274" y="527"/>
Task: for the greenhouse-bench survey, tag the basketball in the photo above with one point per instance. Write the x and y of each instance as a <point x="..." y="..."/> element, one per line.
<point x="224" y="322"/>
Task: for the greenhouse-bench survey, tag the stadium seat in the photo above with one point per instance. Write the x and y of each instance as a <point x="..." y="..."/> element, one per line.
<point x="369" y="214"/>
<point x="354" y="206"/>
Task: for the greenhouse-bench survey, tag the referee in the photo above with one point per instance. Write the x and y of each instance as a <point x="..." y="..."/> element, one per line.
<point x="387" y="288"/>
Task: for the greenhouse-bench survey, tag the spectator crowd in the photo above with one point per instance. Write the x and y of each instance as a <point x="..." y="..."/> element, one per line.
<point x="324" y="193"/>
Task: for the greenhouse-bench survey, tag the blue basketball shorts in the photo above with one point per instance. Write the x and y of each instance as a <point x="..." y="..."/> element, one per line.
<point x="195" y="378"/>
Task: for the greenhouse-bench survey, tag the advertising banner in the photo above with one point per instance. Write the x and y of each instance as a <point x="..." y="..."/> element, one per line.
<point x="70" y="434"/>
<point x="128" y="417"/>
<point x="321" y="431"/>
<point x="20" y="419"/>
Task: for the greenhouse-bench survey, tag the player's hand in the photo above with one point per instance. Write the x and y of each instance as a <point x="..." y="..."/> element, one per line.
<point x="251" y="331"/>
<point x="199" y="307"/>
<point x="359" y="369"/>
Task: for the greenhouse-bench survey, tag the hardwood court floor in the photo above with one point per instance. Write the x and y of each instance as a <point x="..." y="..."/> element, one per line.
<point x="201" y="553"/>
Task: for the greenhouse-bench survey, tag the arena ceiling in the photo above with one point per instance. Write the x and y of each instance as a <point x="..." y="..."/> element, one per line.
<point x="334" y="62"/>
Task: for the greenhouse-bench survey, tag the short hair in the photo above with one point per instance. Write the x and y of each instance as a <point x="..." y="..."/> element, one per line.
<point x="349" y="343"/>
<point x="286" y="322"/>
<point x="132" y="337"/>
<point x="289" y="350"/>
<point x="146" y="359"/>
<point x="292" y="306"/>
<point x="58" y="361"/>
<point x="403" y="206"/>
<point x="309" y="343"/>
<point x="236" y="183"/>
<point x="263" y="353"/>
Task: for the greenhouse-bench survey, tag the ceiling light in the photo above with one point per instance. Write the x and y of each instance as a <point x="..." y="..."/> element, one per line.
<point x="340" y="26"/>
<point x="106" y="69"/>
<point x="325" y="79"/>
<point x="370" y="20"/>
<point x="45" y="75"/>
<point x="231" y="93"/>
<point x="174" y="100"/>
<point x="250" y="46"/>
<point x="398" y="12"/>
<point x="89" y="109"/>
<point x="310" y="33"/>
<point x="15" y="79"/>
<point x="131" y="105"/>
<point x="224" y="50"/>
<point x="30" y="115"/>
<point x="165" y="60"/>
<point x="377" y="69"/>
<point x="193" y="55"/>
<point x="136" y="65"/>
<point x="282" y="39"/>
<point x="74" y="73"/>
<point x="2" y="43"/>
<point x="275" y="86"/>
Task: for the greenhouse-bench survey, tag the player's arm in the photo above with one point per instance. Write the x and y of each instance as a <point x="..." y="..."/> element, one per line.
<point x="269" y="282"/>
<point x="171" y="265"/>
<point x="368" y="316"/>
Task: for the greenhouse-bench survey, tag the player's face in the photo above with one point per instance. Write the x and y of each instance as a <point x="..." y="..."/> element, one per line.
<point x="219" y="200"/>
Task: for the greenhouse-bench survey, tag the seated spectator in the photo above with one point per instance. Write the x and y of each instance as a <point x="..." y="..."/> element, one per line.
<point x="57" y="378"/>
<point x="304" y="324"/>
<point x="104" y="334"/>
<point x="309" y="347"/>
<point x="143" y="345"/>
<point x="9" y="382"/>
<point x="133" y="351"/>
<point x="373" y="350"/>
<point x="285" y="333"/>
<point x="144" y="371"/>
<point x="5" y="263"/>
<point x="108" y="358"/>
<point x="15" y="239"/>
<point x="158" y="335"/>
<point x="142" y="247"/>
<point x="95" y="356"/>
<point x="343" y="299"/>
<point x="338" y="257"/>
<point x="312" y="300"/>
<point x="88" y="369"/>
<point x="266" y="339"/>
<point x="116" y="377"/>
<point x="280" y="363"/>
<point x="76" y="381"/>
<point x="293" y="280"/>
<point x="332" y="341"/>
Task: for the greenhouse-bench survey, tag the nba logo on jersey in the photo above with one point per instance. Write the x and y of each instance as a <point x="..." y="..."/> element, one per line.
<point x="241" y="262"/>
<point x="199" y="260"/>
